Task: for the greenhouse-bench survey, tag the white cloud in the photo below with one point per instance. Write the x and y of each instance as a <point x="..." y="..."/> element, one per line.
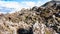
<point x="15" y="5"/>
<point x="3" y="12"/>
<point x="29" y="3"/>
<point x="19" y="5"/>
<point x="49" y="0"/>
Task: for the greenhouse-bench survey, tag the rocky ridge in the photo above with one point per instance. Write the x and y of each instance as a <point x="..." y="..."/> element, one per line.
<point x="38" y="20"/>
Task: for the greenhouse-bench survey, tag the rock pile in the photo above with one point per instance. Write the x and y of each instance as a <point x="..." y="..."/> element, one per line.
<point x="38" y="20"/>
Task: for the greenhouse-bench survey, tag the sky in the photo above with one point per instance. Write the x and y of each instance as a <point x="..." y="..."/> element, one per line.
<point x="16" y="5"/>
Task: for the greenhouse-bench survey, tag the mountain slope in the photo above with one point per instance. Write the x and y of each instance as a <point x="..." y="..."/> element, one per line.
<point x="38" y="20"/>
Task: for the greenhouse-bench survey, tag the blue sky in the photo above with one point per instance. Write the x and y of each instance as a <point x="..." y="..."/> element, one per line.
<point x="16" y="5"/>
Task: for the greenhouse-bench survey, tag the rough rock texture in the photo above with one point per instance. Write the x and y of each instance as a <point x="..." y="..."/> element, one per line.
<point x="38" y="20"/>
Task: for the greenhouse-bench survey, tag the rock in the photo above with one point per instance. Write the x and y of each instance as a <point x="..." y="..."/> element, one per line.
<point x="38" y="20"/>
<point x="35" y="8"/>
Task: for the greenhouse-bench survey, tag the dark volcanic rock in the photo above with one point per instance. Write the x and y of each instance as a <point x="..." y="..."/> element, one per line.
<point x="24" y="31"/>
<point x="51" y="3"/>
